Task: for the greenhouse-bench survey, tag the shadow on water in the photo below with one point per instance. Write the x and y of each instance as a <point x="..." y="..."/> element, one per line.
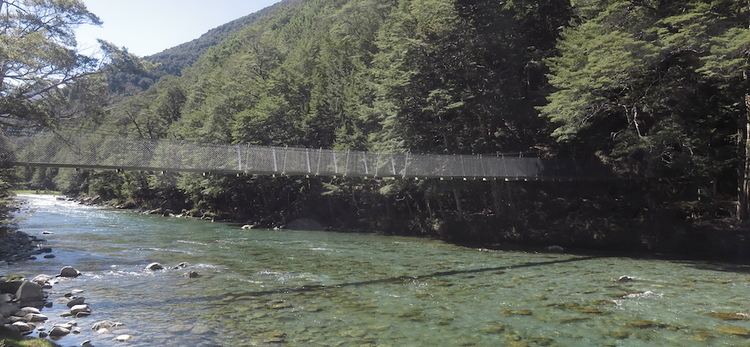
<point x="716" y="266"/>
<point x="388" y="280"/>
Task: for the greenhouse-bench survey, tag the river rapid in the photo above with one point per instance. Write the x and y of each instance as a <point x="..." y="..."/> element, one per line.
<point x="301" y="288"/>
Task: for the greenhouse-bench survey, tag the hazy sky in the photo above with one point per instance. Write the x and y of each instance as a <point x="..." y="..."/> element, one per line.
<point x="146" y="27"/>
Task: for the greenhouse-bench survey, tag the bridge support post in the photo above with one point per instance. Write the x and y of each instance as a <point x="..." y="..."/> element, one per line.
<point x="275" y="164"/>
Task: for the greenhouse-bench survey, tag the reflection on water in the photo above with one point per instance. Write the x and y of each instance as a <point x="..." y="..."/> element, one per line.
<point x="312" y="288"/>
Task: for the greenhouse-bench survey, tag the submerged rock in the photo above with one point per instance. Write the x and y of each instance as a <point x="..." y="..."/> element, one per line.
<point x="105" y="324"/>
<point x="180" y="266"/>
<point x="69" y="272"/>
<point x="154" y="267"/>
<point x="625" y="279"/>
<point x="734" y="330"/>
<point x="192" y="274"/>
<point x="730" y="316"/>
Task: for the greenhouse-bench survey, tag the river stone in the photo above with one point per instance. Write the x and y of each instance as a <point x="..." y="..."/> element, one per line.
<point x="33" y="317"/>
<point x="23" y="327"/>
<point x="41" y="279"/>
<point x="154" y="267"/>
<point x="84" y="308"/>
<point x="180" y="266"/>
<point x="49" y="256"/>
<point x="59" y="332"/>
<point x="76" y="301"/>
<point x="123" y="338"/>
<point x="28" y="310"/>
<point x="69" y="272"/>
<point x="105" y="324"/>
<point x="43" y="334"/>
<point x="29" y="291"/>
<point x="86" y="343"/>
<point x="192" y="274"/>
<point x="76" y="291"/>
<point x="625" y="279"/>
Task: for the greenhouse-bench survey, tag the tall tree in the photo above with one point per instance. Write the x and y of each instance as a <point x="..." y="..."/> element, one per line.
<point x="38" y="55"/>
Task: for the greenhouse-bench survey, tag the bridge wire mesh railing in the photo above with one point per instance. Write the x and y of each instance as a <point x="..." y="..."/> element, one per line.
<point x="54" y="149"/>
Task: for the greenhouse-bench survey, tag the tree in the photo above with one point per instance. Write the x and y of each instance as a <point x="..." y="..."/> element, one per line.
<point x="38" y="55"/>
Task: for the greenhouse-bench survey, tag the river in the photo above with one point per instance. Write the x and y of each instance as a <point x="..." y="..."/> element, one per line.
<point x="264" y="287"/>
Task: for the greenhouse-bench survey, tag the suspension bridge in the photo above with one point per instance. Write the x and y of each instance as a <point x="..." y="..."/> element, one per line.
<point x="95" y="151"/>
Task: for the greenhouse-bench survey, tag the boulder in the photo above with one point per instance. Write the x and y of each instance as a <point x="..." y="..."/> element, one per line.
<point x="29" y="292"/>
<point x="86" y="343"/>
<point x="192" y="274"/>
<point x="123" y="338"/>
<point x="69" y="272"/>
<point x="10" y="287"/>
<point x="154" y="267"/>
<point x="75" y="310"/>
<point x="624" y="279"/>
<point x="43" y="334"/>
<point x="59" y="332"/>
<point x="76" y="301"/>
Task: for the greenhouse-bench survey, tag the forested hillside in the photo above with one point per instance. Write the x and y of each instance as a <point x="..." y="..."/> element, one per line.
<point x="656" y="90"/>
<point x="171" y="61"/>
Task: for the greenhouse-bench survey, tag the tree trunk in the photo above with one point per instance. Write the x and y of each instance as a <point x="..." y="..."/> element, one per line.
<point x="743" y="174"/>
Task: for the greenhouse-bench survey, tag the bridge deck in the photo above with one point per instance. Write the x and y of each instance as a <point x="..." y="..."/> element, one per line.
<point x="110" y="153"/>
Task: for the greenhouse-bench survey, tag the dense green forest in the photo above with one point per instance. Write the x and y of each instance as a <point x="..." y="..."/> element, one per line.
<point x="656" y="90"/>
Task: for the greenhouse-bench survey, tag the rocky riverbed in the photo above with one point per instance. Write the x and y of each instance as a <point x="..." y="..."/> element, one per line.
<point x="22" y="302"/>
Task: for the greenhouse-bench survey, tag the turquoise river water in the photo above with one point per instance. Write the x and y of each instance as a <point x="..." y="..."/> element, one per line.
<point x="304" y="288"/>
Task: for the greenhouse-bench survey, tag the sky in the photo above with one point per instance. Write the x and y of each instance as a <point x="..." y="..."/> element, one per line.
<point x="146" y="27"/>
